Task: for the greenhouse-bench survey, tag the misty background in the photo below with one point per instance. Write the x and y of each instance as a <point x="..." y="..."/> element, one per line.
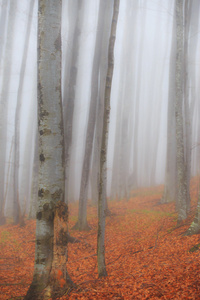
<point x="139" y="99"/>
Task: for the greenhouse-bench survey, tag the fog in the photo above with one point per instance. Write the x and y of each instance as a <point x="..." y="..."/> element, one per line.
<point x="141" y="91"/>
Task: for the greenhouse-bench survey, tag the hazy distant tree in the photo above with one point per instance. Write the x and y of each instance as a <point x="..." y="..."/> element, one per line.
<point x="194" y="114"/>
<point x="50" y="277"/>
<point x="170" y="189"/>
<point x="187" y="108"/>
<point x="5" y="100"/>
<point x="28" y="177"/>
<point x="3" y="20"/>
<point x="17" y="209"/>
<point x="194" y="87"/>
<point x="100" y="106"/>
<point x="104" y="145"/>
<point x="124" y="124"/>
<point x="82" y="215"/>
<point x="179" y="98"/>
<point x="76" y="13"/>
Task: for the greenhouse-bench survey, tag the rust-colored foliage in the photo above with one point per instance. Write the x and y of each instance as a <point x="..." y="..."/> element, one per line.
<point x="147" y="256"/>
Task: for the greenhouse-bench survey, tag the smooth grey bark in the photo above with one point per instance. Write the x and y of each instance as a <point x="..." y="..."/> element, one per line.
<point x="104" y="144"/>
<point x="50" y="279"/>
<point x="181" y="166"/>
<point x="4" y="102"/>
<point x="17" y="207"/>
<point x="82" y="214"/>
<point x="34" y="186"/>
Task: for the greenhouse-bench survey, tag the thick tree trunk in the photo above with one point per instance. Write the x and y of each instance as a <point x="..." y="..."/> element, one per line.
<point x="104" y="145"/>
<point x="50" y="278"/>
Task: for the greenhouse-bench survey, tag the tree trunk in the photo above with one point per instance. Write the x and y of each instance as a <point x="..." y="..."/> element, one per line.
<point x="104" y="144"/>
<point x="170" y="190"/>
<point x="195" y="226"/>
<point x="5" y="100"/>
<point x="82" y="215"/>
<point x="50" y="279"/>
<point x="181" y="167"/>
<point x="17" y="207"/>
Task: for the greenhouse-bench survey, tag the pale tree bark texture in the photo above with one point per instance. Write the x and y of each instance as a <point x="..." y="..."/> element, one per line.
<point x="104" y="145"/>
<point x="50" y="278"/>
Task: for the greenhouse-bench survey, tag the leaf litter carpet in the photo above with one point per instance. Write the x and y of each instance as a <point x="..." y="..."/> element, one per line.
<point x="147" y="256"/>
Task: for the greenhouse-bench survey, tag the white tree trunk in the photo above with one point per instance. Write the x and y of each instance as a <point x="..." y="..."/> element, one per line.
<point x="50" y="274"/>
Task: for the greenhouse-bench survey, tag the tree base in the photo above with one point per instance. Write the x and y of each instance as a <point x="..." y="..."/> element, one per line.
<point x="81" y="227"/>
<point x="52" y="291"/>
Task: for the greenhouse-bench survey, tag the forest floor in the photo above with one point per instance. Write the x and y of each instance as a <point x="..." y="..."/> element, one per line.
<point x="147" y="255"/>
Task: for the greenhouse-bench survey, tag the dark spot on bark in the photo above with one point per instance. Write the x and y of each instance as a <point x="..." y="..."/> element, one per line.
<point x="46" y="206"/>
<point x="42" y="158"/>
<point x="38" y="242"/>
<point x="39" y="215"/>
<point x="51" y="217"/>
<point x="41" y="132"/>
<point x="41" y="193"/>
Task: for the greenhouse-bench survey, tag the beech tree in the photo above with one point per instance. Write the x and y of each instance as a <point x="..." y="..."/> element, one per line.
<point x="50" y="279"/>
<point x="104" y="146"/>
<point x="179" y="97"/>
